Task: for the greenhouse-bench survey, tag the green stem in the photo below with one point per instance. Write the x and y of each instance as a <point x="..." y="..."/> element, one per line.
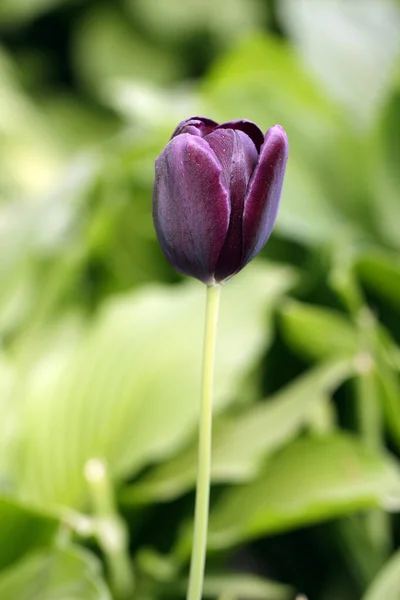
<point x="204" y="458"/>
<point x="110" y="530"/>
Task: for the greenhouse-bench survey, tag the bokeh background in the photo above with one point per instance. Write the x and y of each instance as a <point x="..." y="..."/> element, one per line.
<point x="101" y="340"/>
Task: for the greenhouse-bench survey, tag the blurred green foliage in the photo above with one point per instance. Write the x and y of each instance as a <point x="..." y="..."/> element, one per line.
<point x="101" y="340"/>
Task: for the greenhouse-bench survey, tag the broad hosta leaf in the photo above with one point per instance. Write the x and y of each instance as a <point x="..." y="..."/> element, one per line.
<point x="55" y="574"/>
<point x="386" y="585"/>
<point x="309" y="481"/>
<point x="348" y="45"/>
<point x="130" y="391"/>
<point x="22" y="529"/>
<point x="318" y="332"/>
<point x="241" y="443"/>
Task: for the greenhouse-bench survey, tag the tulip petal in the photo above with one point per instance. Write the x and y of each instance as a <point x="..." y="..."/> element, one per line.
<point x="200" y="126"/>
<point x="238" y="157"/>
<point x="191" y="206"/>
<point x="263" y="195"/>
<point x="248" y="127"/>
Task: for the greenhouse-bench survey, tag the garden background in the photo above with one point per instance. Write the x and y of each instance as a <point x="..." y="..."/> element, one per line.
<point x="101" y="339"/>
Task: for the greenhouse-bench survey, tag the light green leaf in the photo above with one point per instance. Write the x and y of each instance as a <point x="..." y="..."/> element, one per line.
<point x="301" y="189"/>
<point x="309" y="481"/>
<point x="348" y="45"/>
<point x="56" y="574"/>
<point x="317" y="332"/>
<point x="129" y="392"/>
<point x="386" y="585"/>
<point x="31" y="160"/>
<point x="22" y="529"/>
<point x="9" y="423"/>
<point x="241" y="443"/>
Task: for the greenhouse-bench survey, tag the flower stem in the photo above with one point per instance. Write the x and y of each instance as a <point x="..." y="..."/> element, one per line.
<point x="204" y="457"/>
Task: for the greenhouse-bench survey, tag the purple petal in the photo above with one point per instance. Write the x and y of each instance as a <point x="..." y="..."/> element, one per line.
<point x="262" y="199"/>
<point x="200" y="126"/>
<point x="190" y="206"/>
<point x="238" y="157"/>
<point x="248" y="127"/>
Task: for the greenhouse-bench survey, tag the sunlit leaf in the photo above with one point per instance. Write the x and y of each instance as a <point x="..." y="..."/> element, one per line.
<point x="348" y="45"/>
<point x="31" y="159"/>
<point x="130" y="391"/>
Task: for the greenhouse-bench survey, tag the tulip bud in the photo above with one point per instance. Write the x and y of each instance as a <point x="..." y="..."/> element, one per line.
<point x="216" y="195"/>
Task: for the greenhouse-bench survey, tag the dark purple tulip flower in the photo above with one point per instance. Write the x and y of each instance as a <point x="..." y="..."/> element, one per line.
<point x="216" y="195"/>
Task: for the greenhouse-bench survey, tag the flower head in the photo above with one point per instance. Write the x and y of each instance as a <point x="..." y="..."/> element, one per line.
<point x="216" y="195"/>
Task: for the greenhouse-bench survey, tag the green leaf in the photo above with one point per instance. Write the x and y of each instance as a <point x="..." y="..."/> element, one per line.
<point x="31" y="160"/>
<point x="9" y="423"/>
<point x="22" y="529"/>
<point x="56" y="574"/>
<point x="386" y="585"/>
<point x="164" y="572"/>
<point x="380" y="271"/>
<point x="264" y="78"/>
<point x="388" y="384"/>
<point x="128" y="391"/>
<point x="19" y="11"/>
<point x="241" y="443"/>
<point x="317" y="332"/>
<point x="348" y="45"/>
<point x="272" y="83"/>
<point x="107" y="48"/>
<point x="308" y="481"/>
<point x="384" y="172"/>
<point x="174" y="20"/>
<point x="250" y="587"/>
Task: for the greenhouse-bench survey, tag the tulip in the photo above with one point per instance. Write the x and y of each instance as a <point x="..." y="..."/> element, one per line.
<point x="216" y="195"/>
